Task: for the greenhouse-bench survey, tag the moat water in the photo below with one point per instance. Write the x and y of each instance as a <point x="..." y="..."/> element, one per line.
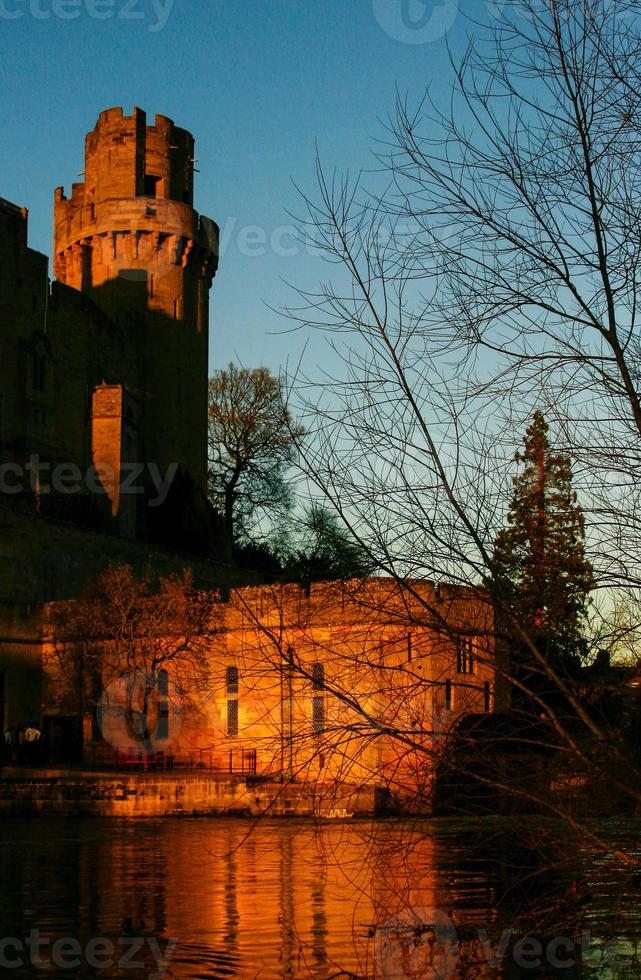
<point x="228" y="898"/>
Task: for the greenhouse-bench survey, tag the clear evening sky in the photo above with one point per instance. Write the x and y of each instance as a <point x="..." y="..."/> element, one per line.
<point x="258" y="82"/>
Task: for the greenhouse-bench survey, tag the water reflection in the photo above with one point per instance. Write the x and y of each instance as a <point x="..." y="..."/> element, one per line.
<point x="229" y="899"/>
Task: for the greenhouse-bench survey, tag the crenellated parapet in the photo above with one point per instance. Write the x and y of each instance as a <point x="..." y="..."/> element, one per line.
<point x="133" y="211"/>
<point x="143" y="233"/>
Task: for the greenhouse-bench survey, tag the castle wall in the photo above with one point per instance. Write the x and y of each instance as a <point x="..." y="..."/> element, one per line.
<point x="24" y="405"/>
<point x="355" y="682"/>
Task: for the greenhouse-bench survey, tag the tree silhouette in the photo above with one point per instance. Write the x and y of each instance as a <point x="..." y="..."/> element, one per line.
<point x="541" y="576"/>
<point x="251" y="446"/>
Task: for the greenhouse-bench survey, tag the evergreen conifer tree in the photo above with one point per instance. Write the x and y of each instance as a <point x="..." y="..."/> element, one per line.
<point x="542" y="577"/>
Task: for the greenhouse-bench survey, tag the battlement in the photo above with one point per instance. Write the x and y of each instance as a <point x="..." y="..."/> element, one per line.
<point x="14" y="222"/>
<point x="125" y="157"/>
<point x="135" y="203"/>
<point x="382" y="601"/>
<point x="14" y="209"/>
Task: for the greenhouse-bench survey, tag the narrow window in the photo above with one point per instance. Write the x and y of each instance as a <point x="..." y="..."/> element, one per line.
<point x="41" y="374"/>
<point x="318" y="677"/>
<point x="465" y="656"/>
<point x="232" y="717"/>
<point x="448" y="695"/>
<point x="231" y="680"/>
<point x="162" y="728"/>
<point x="409" y="648"/>
<point x="487" y="695"/>
<point x="35" y="372"/>
<point x="318" y="715"/>
<point x="151" y="185"/>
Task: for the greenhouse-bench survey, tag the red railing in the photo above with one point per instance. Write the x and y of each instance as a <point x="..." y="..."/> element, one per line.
<point x="241" y="761"/>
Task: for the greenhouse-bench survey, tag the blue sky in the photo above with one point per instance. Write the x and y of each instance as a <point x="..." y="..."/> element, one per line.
<point x="258" y="82"/>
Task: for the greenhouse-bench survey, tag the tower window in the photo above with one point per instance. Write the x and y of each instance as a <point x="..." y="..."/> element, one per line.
<point x="151" y="185"/>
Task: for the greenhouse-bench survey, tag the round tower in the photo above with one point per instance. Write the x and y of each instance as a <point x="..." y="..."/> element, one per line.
<point x="129" y="238"/>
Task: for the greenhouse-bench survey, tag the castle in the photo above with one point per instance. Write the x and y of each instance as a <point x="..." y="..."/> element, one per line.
<point x="103" y="385"/>
<point x="108" y="369"/>
<point x="103" y="458"/>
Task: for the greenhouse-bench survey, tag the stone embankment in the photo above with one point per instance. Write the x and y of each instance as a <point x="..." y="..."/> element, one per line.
<point x="49" y="792"/>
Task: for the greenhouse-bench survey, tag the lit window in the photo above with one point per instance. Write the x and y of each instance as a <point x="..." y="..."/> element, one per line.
<point x="318" y="715"/>
<point x="318" y="677"/>
<point x="231" y="680"/>
<point x="232" y="718"/>
<point x="465" y="656"/>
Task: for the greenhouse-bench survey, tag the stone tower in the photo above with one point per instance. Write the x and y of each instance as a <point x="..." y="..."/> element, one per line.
<point x="130" y="239"/>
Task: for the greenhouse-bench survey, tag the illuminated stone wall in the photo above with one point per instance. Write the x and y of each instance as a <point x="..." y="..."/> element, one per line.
<point x="351" y="682"/>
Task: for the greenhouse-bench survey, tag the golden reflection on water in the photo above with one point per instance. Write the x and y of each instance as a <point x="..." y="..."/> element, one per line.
<point x="275" y="899"/>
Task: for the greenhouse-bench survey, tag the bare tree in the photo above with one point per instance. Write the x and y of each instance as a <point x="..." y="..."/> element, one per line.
<point x="495" y="274"/>
<point x="251" y="447"/>
<point x="131" y="652"/>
